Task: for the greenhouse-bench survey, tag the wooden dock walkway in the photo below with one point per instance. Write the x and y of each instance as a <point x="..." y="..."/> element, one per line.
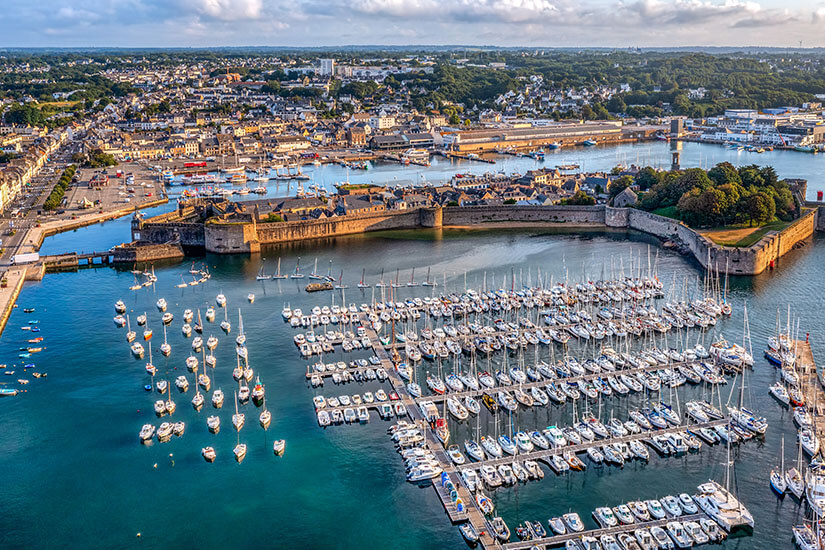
<point x="471" y="512"/>
<point x="541" y="383"/>
<point x="811" y="384"/>
<point x="544" y="455"/>
<point x="559" y="540"/>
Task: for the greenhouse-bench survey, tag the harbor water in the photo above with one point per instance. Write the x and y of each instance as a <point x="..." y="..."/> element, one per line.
<point x="77" y="474"/>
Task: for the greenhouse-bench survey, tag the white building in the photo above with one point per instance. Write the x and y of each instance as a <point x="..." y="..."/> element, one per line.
<point x="326" y="67"/>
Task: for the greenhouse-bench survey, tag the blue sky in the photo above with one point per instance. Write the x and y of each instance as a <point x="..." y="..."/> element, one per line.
<point x="610" y="23"/>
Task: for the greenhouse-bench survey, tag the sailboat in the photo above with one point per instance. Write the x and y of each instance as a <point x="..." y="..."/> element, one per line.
<point x="199" y="325"/>
<point x="396" y="284"/>
<point x="150" y="368"/>
<point x="381" y="283"/>
<point x="197" y="399"/>
<point x="261" y="275"/>
<point x="314" y="274"/>
<point x="340" y="284"/>
<point x="147" y="332"/>
<point x="226" y="326"/>
<point x="241" y="338"/>
<point x="130" y="334"/>
<point x="778" y="477"/>
<point x="182" y="283"/>
<point x="297" y="274"/>
<point x="278" y="273"/>
<point x="412" y="279"/>
<point x="238" y="419"/>
<point x="429" y="282"/>
<point x="793" y="477"/>
<point x="361" y="283"/>
<point x="165" y="348"/>
<point x="265" y="417"/>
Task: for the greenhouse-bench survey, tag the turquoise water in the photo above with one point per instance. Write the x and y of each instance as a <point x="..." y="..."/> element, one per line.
<point x="76" y="474"/>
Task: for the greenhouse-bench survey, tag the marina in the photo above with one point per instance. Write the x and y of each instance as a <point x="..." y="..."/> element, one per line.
<point x="294" y="417"/>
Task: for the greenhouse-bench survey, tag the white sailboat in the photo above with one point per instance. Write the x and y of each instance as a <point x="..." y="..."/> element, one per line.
<point x="165" y="348"/>
<point x="261" y="275"/>
<point x="297" y="273"/>
<point x="241" y="338"/>
<point x="238" y="418"/>
<point x="278" y="273"/>
<point x="361" y="283"/>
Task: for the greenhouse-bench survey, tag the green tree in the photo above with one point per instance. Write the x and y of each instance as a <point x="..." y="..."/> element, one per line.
<point x="759" y="208"/>
<point x="618" y="185"/>
<point x="579" y="199"/>
<point x="646" y="178"/>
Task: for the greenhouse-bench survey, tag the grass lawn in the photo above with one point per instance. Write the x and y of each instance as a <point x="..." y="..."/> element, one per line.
<point x="667" y="211"/>
<point x="740" y="235"/>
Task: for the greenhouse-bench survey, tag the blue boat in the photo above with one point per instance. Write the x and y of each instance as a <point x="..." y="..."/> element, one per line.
<point x="8" y="392"/>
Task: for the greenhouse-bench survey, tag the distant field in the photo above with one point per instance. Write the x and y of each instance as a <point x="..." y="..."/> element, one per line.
<point x="742" y="236"/>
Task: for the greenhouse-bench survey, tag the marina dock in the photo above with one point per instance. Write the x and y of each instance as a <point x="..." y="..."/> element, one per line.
<point x="811" y="384"/>
<point x="471" y="512"/>
<point x="559" y="540"/>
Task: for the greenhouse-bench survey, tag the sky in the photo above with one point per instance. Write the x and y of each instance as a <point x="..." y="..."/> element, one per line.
<point x="533" y="23"/>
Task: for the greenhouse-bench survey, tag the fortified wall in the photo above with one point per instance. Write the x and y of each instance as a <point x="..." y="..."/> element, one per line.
<point x="233" y="235"/>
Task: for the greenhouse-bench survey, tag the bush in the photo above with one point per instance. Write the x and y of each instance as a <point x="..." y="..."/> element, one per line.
<point x="273" y="218"/>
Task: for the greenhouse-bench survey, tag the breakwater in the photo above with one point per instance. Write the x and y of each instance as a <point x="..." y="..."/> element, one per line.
<point x="247" y="235"/>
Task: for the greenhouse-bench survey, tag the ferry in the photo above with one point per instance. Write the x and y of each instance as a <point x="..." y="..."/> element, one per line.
<point x="416" y="156"/>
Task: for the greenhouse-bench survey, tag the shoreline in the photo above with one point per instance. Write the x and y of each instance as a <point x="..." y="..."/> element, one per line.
<point x="33" y="239"/>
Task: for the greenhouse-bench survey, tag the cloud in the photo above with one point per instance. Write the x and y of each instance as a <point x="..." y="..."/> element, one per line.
<point x="687" y="12"/>
<point x="227" y="10"/>
<point x="549" y="23"/>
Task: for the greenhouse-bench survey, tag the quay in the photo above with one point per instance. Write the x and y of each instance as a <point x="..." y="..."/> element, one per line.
<point x="811" y="383"/>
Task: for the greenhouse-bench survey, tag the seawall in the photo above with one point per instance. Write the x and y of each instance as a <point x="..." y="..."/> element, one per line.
<point x="227" y="237"/>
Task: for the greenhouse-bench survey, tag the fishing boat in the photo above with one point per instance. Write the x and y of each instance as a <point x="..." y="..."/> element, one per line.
<point x="258" y="392"/>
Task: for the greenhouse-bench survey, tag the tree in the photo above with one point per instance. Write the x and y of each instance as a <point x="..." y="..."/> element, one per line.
<point x="273" y="218"/>
<point x="646" y="178"/>
<point x="616" y="104"/>
<point x="724" y="173"/>
<point x="24" y="115"/>
<point x="618" y="185"/>
<point x="579" y="199"/>
<point x="759" y="208"/>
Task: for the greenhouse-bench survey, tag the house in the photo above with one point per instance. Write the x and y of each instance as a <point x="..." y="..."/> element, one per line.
<point x="350" y="204"/>
<point x="625" y="198"/>
<point x="392" y="142"/>
<point x="356" y="136"/>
